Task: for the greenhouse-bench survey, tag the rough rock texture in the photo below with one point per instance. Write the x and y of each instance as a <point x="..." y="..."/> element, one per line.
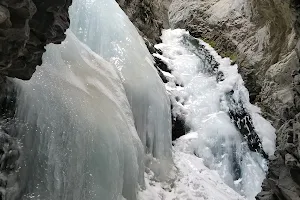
<point x="149" y="16"/>
<point x="26" y="26"/>
<point x="263" y="37"/>
<point x="10" y="149"/>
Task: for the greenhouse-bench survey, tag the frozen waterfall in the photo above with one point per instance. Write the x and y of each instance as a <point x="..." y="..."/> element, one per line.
<point x="89" y="126"/>
<point x="228" y="132"/>
<point x="95" y="119"/>
<point x="77" y="129"/>
<point x="104" y="27"/>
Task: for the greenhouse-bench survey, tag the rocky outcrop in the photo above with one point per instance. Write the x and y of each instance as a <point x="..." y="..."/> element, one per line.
<point x="283" y="181"/>
<point x="263" y="38"/>
<point x="149" y="16"/>
<point x="10" y="149"/>
<point x="26" y="27"/>
<point x="260" y="36"/>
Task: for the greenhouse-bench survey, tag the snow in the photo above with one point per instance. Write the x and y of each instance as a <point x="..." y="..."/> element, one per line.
<point x="202" y="102"/>
<point x="233" y="79"/>
<point x="192" y="181"/>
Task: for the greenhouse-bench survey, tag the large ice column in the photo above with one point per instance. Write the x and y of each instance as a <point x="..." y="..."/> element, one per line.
<point x="78" y="134"/>
<point x="104" y="27"/>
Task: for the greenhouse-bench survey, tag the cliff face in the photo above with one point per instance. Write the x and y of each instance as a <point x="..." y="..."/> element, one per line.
<point x="149" y="16"/>
<point x="26" y="27"/>
<point x="263" y="38"/>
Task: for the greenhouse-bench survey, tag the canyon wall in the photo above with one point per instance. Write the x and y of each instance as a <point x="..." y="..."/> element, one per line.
<point x="263" y="38"/>
<point x="26" y="27"/>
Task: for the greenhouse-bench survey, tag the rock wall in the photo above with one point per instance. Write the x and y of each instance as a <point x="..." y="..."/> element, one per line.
<point x="149" y="16"/>
<point x="26" y="27"/>
<point x="263" y="38"/>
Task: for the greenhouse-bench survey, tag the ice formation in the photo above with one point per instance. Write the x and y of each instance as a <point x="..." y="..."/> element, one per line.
<point x="77" y="129"/>
<point x="95" y="115"/>
<point x="89" y="126"/>
<point x="106" y="29"/>
<point x="216" y="107"/>
<point x="193" y="181"/>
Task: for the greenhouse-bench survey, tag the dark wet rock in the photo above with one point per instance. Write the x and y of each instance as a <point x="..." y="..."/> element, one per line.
<point x="179" y="127"/>
<point x="161" y="65"/>
<point x="10" y="150"/>
<point x="26" y="27"/>
<point x="220" y="76"/>
<point x="158" y="63"/>
<point x="209" y="64"/>
<point x="243" y="122"/>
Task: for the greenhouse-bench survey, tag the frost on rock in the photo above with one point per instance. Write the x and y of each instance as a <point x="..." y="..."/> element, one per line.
<point x="104" y="27"/>
<point x="233" y="139"/>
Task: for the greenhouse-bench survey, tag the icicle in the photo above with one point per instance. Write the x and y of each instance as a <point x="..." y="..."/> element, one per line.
<point x="77" y="129"/>
<point x="104" y="27"/>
